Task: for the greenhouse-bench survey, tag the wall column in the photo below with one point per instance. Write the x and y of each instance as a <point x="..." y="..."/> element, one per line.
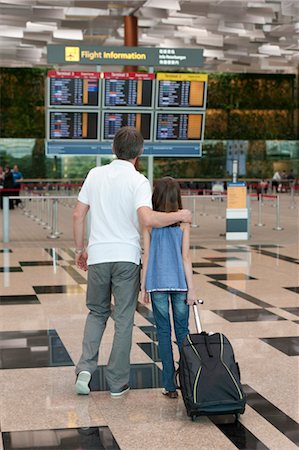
<point x="131" y="37"/>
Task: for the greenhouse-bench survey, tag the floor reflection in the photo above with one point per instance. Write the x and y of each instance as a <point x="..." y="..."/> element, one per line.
<point x="94" y="438"/>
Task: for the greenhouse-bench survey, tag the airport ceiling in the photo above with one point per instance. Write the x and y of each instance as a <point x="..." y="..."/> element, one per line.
<point x="236" y="35"/>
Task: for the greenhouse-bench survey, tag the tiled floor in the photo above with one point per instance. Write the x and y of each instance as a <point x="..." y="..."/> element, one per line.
<point x="250" y="290"/>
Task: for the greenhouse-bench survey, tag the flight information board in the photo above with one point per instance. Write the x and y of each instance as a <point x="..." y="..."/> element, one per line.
<point x="73" y="88"/>
<point x="81" y="125"/>
<point x="175" y="126"/>
<point x="181" y="90"/>
<point x="112" y="121"/>
<point x="128" y="90"/>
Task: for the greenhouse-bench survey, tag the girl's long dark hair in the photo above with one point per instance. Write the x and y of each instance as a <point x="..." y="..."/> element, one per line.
<point x="167" y="195"/>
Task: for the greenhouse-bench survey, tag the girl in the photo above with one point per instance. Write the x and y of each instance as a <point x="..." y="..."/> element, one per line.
<point x="167" y="275"/>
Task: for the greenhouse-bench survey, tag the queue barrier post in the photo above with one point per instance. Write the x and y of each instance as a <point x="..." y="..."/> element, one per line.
<point x="277" y="227"/>
<point x="54" y="221"/>
<point x="260" y="223"/>
<point x="5" y="219"/>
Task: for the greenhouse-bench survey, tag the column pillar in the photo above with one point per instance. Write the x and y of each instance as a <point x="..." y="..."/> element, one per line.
<point x="131" y="37"/>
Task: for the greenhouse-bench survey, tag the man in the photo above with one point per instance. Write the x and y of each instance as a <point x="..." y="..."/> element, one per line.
<point x="118" y="198"/>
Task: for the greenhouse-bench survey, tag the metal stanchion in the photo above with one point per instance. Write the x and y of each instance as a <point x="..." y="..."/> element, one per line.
<point x="5" y="219"/>
<point x="194" y="225"/>
<point x="38" y="217"/>
<point x="293" y="202"/>
<point x="54" y="222"/>
<point x="278" y="227"/>
<point x="49" y="219"/>
<point x="260" y="223"/>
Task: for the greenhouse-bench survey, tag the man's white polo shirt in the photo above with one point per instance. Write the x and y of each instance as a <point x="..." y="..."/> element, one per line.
<point x="114" y="193"/>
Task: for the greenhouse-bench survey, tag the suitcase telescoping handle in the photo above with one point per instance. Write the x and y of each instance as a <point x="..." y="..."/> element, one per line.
<point x="196" y="315"/>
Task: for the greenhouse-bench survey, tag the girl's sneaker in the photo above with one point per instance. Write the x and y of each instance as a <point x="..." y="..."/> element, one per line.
<point x="170" y="394"/>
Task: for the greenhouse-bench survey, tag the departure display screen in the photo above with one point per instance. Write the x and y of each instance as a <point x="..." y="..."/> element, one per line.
<point x="117" y="119"/>
<point x="82" y="125"/>
<point x="179" y="126"/>
<point x="181" y="94"/>
<point x="73" y="89"/>
<point x="128" y="90"/>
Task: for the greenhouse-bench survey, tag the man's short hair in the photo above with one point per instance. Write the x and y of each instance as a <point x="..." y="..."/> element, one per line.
<point x="128" y="143"/>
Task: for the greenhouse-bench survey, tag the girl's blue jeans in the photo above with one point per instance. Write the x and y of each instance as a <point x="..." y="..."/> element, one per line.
<point x="180" y="313"/>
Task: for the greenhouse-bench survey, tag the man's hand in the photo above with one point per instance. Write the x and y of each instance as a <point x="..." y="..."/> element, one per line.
<point x="81" y="261"/>
<point x="186" y="216"/>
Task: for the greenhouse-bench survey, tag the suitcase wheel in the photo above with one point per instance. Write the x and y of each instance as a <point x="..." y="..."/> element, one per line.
<point x="193" y="418"/>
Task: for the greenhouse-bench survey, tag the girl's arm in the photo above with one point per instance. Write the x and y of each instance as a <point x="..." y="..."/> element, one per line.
<point x="146" y="233"/>
<point x="191" y="297"/>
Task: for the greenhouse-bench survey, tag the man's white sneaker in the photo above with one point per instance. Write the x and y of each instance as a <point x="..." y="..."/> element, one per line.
<point x="82" y="383"/>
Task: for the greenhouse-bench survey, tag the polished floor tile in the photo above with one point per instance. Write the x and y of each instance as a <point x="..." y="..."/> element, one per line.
<point x="288" y="344"/>
<point x="244" y="295"/>
<point x="240" y="436"/>
<point x="272" y="414"/>
<point x="24" y="349"/>
<point x="18" y="299"/>
<point x="247" y="315"/>
<point x="142" y="376"/>
<point x="85" y="438"/>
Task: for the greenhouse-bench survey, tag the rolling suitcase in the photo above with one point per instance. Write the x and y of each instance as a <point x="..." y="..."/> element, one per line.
<point x="209" y="377"/>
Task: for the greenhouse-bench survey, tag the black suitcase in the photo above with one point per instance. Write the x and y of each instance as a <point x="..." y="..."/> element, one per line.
<point x="209" y="377"/>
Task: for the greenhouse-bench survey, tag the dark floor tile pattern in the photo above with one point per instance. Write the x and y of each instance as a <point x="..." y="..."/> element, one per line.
<point x="232" y="250"/>
<point x="75" y="275"/>
<point x="36" y="263"/>
<point x="230" y="276"/>
<point x="145" y="312"/>
<point x="197" y="247"/>
<point x="63" y="289"/>
<point x="5" y="250"/>
<point x="293" y="289"/>
<point x="69" y="252"/>
<point x="10" y="269"/>
<point x="223" y="258"/>
<point x="18" y="300"/>
<point x="197" y="265"/>
<point x="142" y="376"/>
<point x="289" y="345"/>
<point x="278" y="256"/>
<point x="247" y="315"/>
<point x="151" y="349"/>
<point x="89" y="438"/>
<point x="28" y="349"/>
<point x="257" y="246"/>
<point x="52" y="252"/>
<point x="241" y="294"/>
<point x="285" y="424"/>
<point x="242" y="438"/>
<point x="150" y="331"/>
<point x="293" y="310"/>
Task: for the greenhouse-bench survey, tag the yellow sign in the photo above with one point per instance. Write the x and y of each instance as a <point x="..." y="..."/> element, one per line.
<point x="72" y="53"/>
<point x="236" y="197"/>
<point x="182" y="76"/>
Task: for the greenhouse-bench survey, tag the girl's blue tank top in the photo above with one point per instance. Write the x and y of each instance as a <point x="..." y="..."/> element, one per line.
<point x="165" y="271"/>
